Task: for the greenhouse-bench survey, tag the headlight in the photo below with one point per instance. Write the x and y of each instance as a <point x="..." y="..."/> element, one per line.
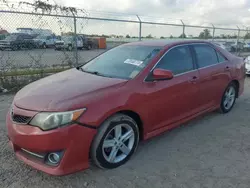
<point x="47" y="120"/>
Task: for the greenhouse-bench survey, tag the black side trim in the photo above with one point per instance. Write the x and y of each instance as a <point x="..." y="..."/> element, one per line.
<point x="88" y="126"/>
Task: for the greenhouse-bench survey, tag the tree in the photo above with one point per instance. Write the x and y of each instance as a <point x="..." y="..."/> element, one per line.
<point x="171" y="36"/>
<point x="149" y="36"/>
<point x="205" y="34"/>
<point x="247" y="36"/>
<point x="162" y="37"/>
<point x="127" y="36"/>
<point x="183" y="35"/>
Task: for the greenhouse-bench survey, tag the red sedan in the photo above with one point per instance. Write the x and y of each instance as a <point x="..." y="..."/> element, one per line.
<point x="101" y="110"/>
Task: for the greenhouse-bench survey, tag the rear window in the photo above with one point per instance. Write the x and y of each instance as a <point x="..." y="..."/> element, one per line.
<point x="221" y="58"/>
<point x="206" y="55"/>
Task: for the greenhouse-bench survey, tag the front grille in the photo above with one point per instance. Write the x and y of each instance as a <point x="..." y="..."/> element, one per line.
<point x="20" y="119"/>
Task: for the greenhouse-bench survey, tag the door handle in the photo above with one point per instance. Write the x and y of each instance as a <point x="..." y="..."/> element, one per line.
<point x="193" y="79"/>
<point x="227" y="68"/>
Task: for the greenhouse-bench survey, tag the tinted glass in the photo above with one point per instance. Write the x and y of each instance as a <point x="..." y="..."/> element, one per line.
<point x="178" y="60"/>
<point x="206" y="55"/>
<point x="221" y="58"/>
<point x="20" y="37"/>
<point x="122" y="62"/>
<point x="11" y="37"/>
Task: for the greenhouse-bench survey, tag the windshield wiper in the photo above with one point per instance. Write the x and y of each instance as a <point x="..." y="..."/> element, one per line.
<point x="94" y="72"/>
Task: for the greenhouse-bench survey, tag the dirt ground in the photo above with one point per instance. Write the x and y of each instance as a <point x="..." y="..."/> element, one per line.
<point x="211" y="151"/>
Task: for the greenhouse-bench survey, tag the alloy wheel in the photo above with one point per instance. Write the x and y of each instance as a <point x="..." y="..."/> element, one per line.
<point x="118" y="143"/>
<point x="229" y="97"/>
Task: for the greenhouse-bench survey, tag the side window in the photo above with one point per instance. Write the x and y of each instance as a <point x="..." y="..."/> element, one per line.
<point x="221" y="58"/>
<point x="178" y="60"/>
<point x="206" y="55"/>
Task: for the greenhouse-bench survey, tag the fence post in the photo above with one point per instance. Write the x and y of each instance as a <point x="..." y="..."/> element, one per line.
<point x="75" y="47"/>
<point x="213" y="31"/>
<point x="183" y="29"/>
<point x="139" y="27"/>
<point x="238" y="38"/>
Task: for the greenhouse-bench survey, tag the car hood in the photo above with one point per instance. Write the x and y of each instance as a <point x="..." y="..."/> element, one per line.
<point x="53" y="92"/>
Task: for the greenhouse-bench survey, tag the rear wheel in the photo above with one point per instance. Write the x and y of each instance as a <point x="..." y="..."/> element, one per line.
<point x="115" y="142"/>
<point x="228" y="98"/>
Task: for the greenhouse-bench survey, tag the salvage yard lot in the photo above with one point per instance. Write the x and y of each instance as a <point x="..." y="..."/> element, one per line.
<point x="211" y="151"/>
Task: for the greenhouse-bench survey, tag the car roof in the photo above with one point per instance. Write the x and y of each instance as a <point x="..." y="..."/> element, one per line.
<point x="163" y="43"/>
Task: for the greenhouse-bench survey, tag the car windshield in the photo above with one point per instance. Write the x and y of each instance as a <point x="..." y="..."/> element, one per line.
<point x="11" y="37"/>
<point x="122" y="62"/>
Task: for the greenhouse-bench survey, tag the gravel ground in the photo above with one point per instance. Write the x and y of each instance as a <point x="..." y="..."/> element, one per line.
<point x="211" y="151"/>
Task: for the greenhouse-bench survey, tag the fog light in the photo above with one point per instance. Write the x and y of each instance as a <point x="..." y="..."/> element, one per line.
<point x="54" y="158"/>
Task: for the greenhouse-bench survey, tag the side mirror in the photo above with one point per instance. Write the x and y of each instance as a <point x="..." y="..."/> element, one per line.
<point x="161" y="74"/>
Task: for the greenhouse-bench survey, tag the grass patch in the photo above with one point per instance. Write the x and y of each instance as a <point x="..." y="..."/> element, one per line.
<point x="27" y="72"/>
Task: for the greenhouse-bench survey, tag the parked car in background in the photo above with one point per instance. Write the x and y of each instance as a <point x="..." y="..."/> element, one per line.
<point x="247" y="65"/>
<point x="223" y="45"/>
<point x="45" y="41"/>
<point x="87" y="42"/>
<point x="236" y="46"/>
<point x="101" y="110"/>
<point x="17" y="41"/>
<point x="246" y="46"/>
<point x="68" y="43"/>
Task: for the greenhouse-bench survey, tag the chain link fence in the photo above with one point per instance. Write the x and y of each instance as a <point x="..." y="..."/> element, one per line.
<point x="36" y="42"/>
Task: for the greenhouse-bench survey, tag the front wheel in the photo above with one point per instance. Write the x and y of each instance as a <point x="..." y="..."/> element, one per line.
<point x="115" y="142"/>
<point x="70" y="48"/>
<point x="228" y="98"/>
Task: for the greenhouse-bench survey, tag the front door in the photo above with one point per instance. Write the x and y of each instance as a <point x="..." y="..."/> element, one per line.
<point x="172" y="100"/>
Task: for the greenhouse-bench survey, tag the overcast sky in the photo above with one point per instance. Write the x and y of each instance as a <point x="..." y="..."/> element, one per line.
<point x="222" y="13"/>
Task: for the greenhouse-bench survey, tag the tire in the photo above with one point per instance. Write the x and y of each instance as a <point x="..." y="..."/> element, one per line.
<point x="70" y="48"/>
<point x="30" y="46"/>
<point x="226" y="107"/>
<point x="14" y="47"/>
<point x="101" y="154"/>
<point x="44" y="46"/>
<point x="89" y="47"/>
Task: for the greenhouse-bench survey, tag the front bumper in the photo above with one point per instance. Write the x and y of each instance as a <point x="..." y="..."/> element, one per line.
<point x="74" y="140"/>
<point x="60" y="46"/>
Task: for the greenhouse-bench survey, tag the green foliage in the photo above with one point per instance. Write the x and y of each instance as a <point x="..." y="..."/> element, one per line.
<point x="205" y="34"/>
<point x="183" y="35"/>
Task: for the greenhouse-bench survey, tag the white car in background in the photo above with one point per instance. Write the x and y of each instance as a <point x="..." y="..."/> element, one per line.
<point x="45" y="41"/>
<point x="246" y="46"/>
<point x="247" y="65"/>
<point x="223" y="45"/>
<point x="68" y="43"/>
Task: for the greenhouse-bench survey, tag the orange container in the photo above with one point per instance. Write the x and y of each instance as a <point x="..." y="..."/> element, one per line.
<point x="102" y="43"/>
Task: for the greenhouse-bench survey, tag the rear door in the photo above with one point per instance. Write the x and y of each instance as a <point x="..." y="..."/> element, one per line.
<point x="214" y="70"/>
<point x="172" y="100"/>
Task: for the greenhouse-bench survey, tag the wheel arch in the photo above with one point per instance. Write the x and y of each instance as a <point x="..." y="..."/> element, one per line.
<point x="237" y="84"/>
<point x="135" y="116"/>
